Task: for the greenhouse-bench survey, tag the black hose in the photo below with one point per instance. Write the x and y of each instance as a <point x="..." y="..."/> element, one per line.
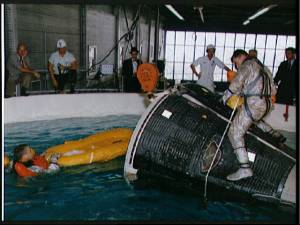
<point x="133" y="26"/>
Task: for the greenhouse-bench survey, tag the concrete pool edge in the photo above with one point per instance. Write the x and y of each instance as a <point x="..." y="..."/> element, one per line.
<point x="60" y="106"/>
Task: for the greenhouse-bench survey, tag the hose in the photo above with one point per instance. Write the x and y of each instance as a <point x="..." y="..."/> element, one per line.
<point x="126" y="35"/>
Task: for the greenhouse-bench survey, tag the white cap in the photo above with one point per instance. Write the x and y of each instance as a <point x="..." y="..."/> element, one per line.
<point x="210" y="47"/>
<point x="61" y="43"/>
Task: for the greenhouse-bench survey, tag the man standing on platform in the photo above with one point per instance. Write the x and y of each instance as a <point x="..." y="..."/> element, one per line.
<point x="207" y="67"/>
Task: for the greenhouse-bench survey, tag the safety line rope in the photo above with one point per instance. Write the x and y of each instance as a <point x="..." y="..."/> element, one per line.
<point x="219" y="145"/>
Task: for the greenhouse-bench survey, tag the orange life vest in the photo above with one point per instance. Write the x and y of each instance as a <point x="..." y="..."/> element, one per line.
<point x="23" y="171"/>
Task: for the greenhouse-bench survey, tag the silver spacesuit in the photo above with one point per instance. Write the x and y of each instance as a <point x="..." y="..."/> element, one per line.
<point x="256" y="86"/>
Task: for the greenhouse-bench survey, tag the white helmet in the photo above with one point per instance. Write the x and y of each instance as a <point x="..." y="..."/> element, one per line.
<point x="61" y="43"/>
<point x="210" y="47"/>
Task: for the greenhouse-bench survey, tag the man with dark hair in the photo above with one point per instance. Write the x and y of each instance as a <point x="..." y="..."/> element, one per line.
<point x="129" y="72"/>
<point x="286" y="78"/>
<point x="253" y="53"/>
<point x="19" y="71"/>
<point x="254" y="84"/>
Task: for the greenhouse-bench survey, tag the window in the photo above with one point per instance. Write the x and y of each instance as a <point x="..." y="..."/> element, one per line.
<point x="210" y="38"/>
<point x="240" y="41"/>
<point x="182" y="48"/>
<point x="250" y="41"/>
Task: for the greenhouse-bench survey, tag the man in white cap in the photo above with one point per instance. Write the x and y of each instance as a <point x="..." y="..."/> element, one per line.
<point x="207" y="67"/>
<point x="62" y="67"/>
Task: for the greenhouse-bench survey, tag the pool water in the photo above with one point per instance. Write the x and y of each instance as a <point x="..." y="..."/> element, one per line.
<point x="99" y="192"/>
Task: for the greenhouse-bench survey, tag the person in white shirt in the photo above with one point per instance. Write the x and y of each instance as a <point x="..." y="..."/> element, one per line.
<point x="207" y="67"/>
<point x="62" y="67"/>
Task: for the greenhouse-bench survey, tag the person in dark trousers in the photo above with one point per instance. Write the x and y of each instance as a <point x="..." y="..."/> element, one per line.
<point x="62" y="67"/>
<point x="286" y="78"/>
<point x="129" y="72"/>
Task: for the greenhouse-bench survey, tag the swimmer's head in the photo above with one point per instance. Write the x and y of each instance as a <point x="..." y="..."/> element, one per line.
<point x="23" y="153"/>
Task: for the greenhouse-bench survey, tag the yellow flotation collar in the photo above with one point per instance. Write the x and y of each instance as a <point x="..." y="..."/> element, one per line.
<point x="100" y="147"/>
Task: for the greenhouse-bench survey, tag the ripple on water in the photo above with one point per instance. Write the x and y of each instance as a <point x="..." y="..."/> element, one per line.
<point x="99" y="192"/>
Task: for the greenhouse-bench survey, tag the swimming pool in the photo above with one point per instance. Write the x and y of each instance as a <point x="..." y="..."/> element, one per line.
<point x="99" y="192"/>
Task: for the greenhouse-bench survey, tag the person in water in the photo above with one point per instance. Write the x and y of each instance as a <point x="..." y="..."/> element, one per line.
<point x="27" y="163"/>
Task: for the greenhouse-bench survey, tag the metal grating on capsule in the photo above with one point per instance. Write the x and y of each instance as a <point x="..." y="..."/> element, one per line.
<point x="177" y="142"/>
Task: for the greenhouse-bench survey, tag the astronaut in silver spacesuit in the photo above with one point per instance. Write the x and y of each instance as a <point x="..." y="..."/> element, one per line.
<point x="256" y="86"/>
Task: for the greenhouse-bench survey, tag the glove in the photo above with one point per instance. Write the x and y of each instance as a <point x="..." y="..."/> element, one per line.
<point x="54" y="157"/>
<point x="227" y="94"/>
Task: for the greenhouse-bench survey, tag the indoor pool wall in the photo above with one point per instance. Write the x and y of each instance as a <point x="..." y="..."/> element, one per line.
<point x="46" y="107"/>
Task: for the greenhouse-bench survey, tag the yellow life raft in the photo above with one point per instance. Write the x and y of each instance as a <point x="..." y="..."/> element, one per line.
<point x="100" y="147"/>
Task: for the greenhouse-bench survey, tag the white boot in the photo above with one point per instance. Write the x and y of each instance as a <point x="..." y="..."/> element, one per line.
<point x="244" y="171"/>
<point x="241" y="173"/>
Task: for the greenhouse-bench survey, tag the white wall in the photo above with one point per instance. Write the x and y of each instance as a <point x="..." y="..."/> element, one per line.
<point x="45" y="107"/>
<point x="277" y="121"/>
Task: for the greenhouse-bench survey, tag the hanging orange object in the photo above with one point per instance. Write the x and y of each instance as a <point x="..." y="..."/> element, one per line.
<point x="147" y="75"/>
<point x="230" y="75"/>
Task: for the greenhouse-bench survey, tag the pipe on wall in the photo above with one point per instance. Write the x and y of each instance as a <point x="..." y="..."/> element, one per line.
<point x="11" y="31"/>
<point x="82" y="29"/>
<point x="156" y="39"/>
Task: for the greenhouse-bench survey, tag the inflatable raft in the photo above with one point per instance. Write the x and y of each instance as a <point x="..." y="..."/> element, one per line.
<point x="100" y="147"/>
<point x="178" y="134"/>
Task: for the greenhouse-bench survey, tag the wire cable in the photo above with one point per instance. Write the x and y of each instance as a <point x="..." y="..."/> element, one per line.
<point x="128" y="34"/>
<point x="219" y="145"/>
